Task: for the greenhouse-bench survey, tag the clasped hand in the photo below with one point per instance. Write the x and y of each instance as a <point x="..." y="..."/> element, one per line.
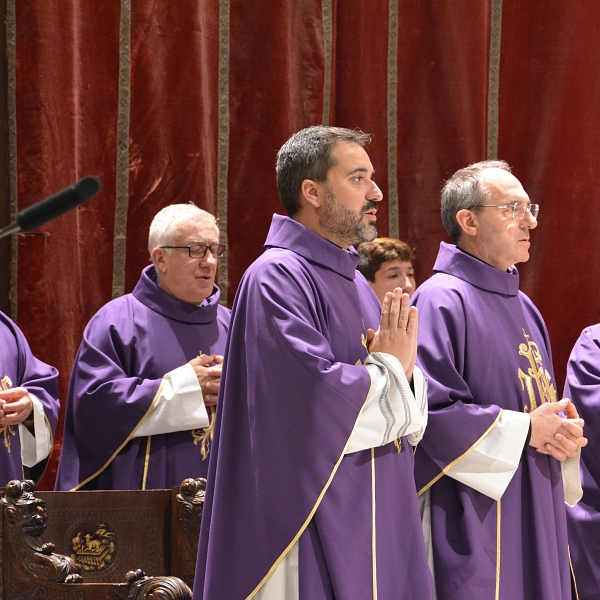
<point x="554" y="435"/>
<point x="15" y="406"/>
<point x="208" y="370"/>
<point x="397" y="333"/>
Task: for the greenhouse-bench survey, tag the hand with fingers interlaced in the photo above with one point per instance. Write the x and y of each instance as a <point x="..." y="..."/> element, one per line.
<point x="16" y="406"/>
<point x="208" y="370"/>
<point x="397" y="333"/>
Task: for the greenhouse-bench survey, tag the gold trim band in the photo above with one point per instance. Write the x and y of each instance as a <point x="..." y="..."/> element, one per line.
<point x="314" y="508"/>
<point x="449" y="466"/>
<point x="374" y="535"/>
<point x="498" y="529"/>
<point x="146" y="462"/>
<point x="129" y="437"/>
<point x="573" y="574"/>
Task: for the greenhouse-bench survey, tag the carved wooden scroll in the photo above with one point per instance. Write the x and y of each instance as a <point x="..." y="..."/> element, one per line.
<point x="191" y="502"/>
<point x="32" y="570"/>
<point x="163" y="588"/>
<point x="25" y="521"/>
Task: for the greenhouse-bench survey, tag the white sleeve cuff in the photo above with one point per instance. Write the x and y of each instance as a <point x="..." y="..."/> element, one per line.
<point x="391" y="410"/>
<point x="572" y="479"/>
<point x="491" y="464"/>
<point x="180" y="406"/>
<point x="37" y="447"/>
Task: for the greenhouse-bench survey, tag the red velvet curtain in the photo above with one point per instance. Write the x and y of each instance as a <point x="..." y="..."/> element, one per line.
<point x="190" y="100"/>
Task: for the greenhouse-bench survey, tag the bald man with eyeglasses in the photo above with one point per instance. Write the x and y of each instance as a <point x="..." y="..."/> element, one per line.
<point x="146" y="378"/>
<point x="500" y="457"/>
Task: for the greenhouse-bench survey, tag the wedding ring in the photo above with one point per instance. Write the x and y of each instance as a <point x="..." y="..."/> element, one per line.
<point x="400" y="327"/>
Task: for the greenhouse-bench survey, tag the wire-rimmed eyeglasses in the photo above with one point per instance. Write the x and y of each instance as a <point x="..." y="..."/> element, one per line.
<point x="519" y="209"/>
<point x="200" y="250"/>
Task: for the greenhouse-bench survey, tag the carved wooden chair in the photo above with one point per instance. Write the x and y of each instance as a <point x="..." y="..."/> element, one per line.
<point x="102" y="544"/>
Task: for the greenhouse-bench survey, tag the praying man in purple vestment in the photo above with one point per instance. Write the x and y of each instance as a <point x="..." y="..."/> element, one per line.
<point x="311" y="492"/>
<point x="583" y="520"/>
<point x="146" y="378"/>
<point x="28" y="407"/>
<point x="501" y="453"/>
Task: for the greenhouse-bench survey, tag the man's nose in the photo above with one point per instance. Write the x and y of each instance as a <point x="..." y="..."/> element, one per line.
<point x="529" y="220"/>
<point x="408" y="285"/>
<point x="209" y="258"/>
<point x="376" y="195"/>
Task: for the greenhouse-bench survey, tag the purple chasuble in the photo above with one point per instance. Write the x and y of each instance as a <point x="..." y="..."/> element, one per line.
<point x="291" y="393"/>
<point x="483" y="347"/>
<point x="127" y="348"/>
<point x="19" y="368"/>
<point x="583" y="520"/>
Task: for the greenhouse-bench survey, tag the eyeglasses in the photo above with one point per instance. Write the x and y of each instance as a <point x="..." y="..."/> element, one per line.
<point x="200" y="250"/>
<point x="518" y="209"/>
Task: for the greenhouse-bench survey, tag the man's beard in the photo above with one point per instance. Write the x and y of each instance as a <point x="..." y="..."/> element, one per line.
<point x="344" y="225"/>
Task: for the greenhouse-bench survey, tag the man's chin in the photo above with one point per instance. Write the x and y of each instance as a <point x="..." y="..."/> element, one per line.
<point x="367" y="234"/>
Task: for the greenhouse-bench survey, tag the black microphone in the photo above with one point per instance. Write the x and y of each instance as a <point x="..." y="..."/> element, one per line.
<point x="54" y="206"/>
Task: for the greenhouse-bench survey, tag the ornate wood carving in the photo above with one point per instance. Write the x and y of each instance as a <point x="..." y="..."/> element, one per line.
<point x="25" y="522"/>
<point x="32" y="570"/>
<point x="191" y="502"/>
<point x="150" y="588"/>
<point x="107" y="533"/>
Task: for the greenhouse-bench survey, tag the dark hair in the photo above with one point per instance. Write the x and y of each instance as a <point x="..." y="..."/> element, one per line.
<point x="307" y="155"/>
<point x="381" y="250"/>
<point x="465" y="190"/>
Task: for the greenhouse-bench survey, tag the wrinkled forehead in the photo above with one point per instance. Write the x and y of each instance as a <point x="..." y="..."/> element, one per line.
<point x="503" y="186"/>
<point x="197" y="230"/>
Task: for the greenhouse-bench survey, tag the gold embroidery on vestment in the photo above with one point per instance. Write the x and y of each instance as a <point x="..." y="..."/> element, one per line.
<point x="536" y="372"/>
<point x="207" y="433"/>
<point x="6" y="430"/>
<point x="363" y="341"/>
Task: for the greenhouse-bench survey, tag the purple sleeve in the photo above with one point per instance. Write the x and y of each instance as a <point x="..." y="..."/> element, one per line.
<point x="583" y="388"/>
<point x="39" y="379"/>
<point x="455" y="416"/>
<point x="112" y="385"/>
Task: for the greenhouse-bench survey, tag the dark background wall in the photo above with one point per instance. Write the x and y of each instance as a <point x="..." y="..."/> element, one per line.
<point x="173" y="101"/>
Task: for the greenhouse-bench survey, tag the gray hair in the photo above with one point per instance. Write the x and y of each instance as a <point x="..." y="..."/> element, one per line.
<point x="165" y="225"/>
<point x="307" y="155"/>
<point x="465" y="190"/>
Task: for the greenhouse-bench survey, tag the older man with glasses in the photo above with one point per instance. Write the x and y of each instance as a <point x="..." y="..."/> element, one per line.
<point x="146" y="378"/>
<point x="500" y="455"/>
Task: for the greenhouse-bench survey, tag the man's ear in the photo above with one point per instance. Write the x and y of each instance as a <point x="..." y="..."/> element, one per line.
<point x="312" y="193"/>
<point x="467" y="221"/>
<point x="158" y="258"/>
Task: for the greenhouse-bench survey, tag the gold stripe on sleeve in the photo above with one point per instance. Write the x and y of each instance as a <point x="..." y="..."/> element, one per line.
<point x="449" y="466"/>
<point x="116" y="452"/>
